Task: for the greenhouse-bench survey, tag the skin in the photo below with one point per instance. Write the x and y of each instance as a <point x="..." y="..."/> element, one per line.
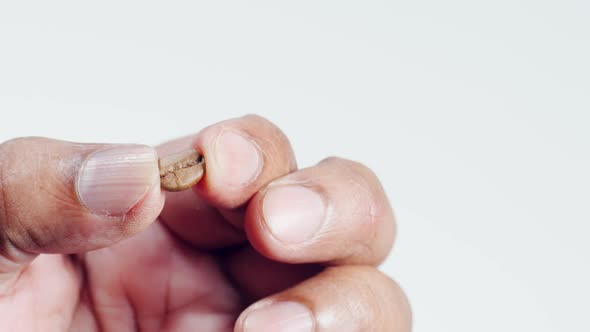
<point x="197" y="260"/>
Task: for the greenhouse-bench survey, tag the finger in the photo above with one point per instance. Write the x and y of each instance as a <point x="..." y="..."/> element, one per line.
<point x="241" y="156"/>
<point x="335" y="212"/>
<point x="60" y="197"/>
<point x="192" y="219"/>
<point x="347" y="298"/>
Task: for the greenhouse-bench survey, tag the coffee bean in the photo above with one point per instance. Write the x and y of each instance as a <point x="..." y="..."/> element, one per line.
<point x="182" y="170"/>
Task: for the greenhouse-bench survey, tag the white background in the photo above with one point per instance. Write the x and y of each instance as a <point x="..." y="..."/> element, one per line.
<point x="475" y="114"/>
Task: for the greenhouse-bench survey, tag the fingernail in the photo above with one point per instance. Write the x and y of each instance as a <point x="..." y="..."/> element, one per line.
<point x="112" y="181"/>
<point x="279" y="317"/>
<point x="238" y="159"/>
<point x="294" y="214"/>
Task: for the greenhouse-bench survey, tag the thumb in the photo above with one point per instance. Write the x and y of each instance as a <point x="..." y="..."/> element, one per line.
<point x="60" y="197"/>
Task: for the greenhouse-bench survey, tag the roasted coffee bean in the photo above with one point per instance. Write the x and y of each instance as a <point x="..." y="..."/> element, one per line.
<point x="182" y="170"/>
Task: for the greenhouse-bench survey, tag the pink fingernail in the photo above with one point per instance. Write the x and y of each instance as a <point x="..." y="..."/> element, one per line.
<point x="112" y="181"/>
<point x="279" y="317"/>
<point x="238" y="159"/>
<point x="293" y="214"/>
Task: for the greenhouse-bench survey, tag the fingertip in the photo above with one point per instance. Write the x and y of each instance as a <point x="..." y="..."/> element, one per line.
<point x="119" y="186"/>
<point x="113" y="180"/>
<point x="284" y="218"/>
<point x="233" y="163"/>
<point x="335" y="212"/>
<point x="241" y="156"/>
<point x="346" y="298"/>
<point x="66" y="197"/>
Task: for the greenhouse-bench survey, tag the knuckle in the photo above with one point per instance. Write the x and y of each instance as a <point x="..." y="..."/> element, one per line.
<point x="17" y="215"/>
<point x="5" y="165"/>
<point x="351" y="167"/>
<point x="255" y="118"/>
<point x="331" y="160"/>
<point x="7" y="145"/>
<point x="15" y="144"/>
<point x="254" y="122"/>
<point x="360" y="181"/>
<point x="368" y="286"/>
<point x="274" y="143"/>
<point x="9" y="219"/>
<point x="366" y="202"/>
<point x="375" y="294"/>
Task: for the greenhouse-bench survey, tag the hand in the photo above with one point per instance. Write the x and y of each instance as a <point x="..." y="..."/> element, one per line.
<point x="88" y="242"/>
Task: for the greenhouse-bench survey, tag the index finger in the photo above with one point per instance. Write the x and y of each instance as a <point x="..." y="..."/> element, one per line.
<point x="241" y="155"/>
